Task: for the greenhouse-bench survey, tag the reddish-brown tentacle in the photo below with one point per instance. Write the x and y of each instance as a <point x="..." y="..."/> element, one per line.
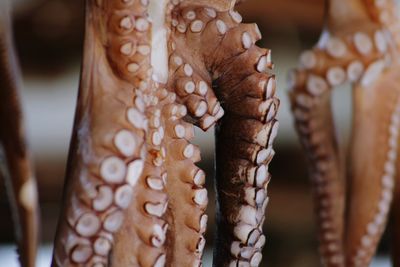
<point x="147" y="77"/>
<point x="222" y="43"/>
<point x="16" y="166"/>
<point x="246" y="88"/>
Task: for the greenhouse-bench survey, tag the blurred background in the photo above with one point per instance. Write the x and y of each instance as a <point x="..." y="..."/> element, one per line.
<point x="48" y="36"/>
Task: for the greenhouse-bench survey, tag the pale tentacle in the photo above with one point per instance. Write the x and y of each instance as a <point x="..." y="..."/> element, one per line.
<point x="106" y="157"/>
<point x="145" y="228"/>
<point x="376" y="125"/>
<point x="187" y="197"/>
<point x="387" y="13"/>
<point x="15" y="160"/>
<point x="349" y="55"/>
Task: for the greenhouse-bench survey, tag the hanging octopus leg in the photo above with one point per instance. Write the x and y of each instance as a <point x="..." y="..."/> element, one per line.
<point x="244" y="145"/>
<point x="134" y="195"/>
<point x="373" y="156"/>
<point x="16" y="164"/>
<point x="314" y="123"/>
<point x="356" y="48"/>
<point x="387" y="13"/>
<point x="107" y="154"/>
<point x="226" y="49"/>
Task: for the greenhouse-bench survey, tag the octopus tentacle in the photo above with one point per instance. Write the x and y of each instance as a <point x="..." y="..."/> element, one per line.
<point x="333" y="62"/>
<point x="16" y="165"/>
<point x="367" y="219"/>
<point x="386" y="13"/>
<point x="151" y="71"/>
<point x="187" y="200"/>
<point x="244" y="140"/>
<point x="150" y="205"/>
<point x="314" y="123"/>
<point x="107" y="152"/>
<point x="354" y="48"/>
<point x="223" y="44"/>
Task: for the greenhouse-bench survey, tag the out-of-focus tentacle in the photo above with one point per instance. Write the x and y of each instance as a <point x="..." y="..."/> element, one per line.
<point x="314" y="123"/>
<point x="376" y="125"/>
<point x="16" y="166"/>
<point x="359" y="47"/>
<point x="386" y="13"/>
<point x="357" y="53"/>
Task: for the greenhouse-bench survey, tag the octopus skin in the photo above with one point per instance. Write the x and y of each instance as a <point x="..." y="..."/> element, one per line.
<point x="352" y="201"/>
<point x="15" y="166"/>
<point x="152" y="70"/>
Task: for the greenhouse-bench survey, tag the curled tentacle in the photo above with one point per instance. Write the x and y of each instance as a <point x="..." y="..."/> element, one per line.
<point x="227" y="66"/>
<point x="16" y="164"/>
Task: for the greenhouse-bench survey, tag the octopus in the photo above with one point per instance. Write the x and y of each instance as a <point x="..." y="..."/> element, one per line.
<point x="15" y="161"/>
<point x="152" y="70"/>
<point x="353" y="195"/>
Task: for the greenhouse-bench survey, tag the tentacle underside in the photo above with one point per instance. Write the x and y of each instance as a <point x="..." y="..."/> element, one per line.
<point x="16" y="165"/>
<point x="133" y="194"/>
<point x="314" y="123"/>
<point x="373" y="157"/>
<point x="108" y="154"/>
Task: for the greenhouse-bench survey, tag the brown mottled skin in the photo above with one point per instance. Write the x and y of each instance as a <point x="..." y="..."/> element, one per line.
<point x="133" y="194"/>
<point x="352" y="205"/>
<point x="16" y="167"/>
